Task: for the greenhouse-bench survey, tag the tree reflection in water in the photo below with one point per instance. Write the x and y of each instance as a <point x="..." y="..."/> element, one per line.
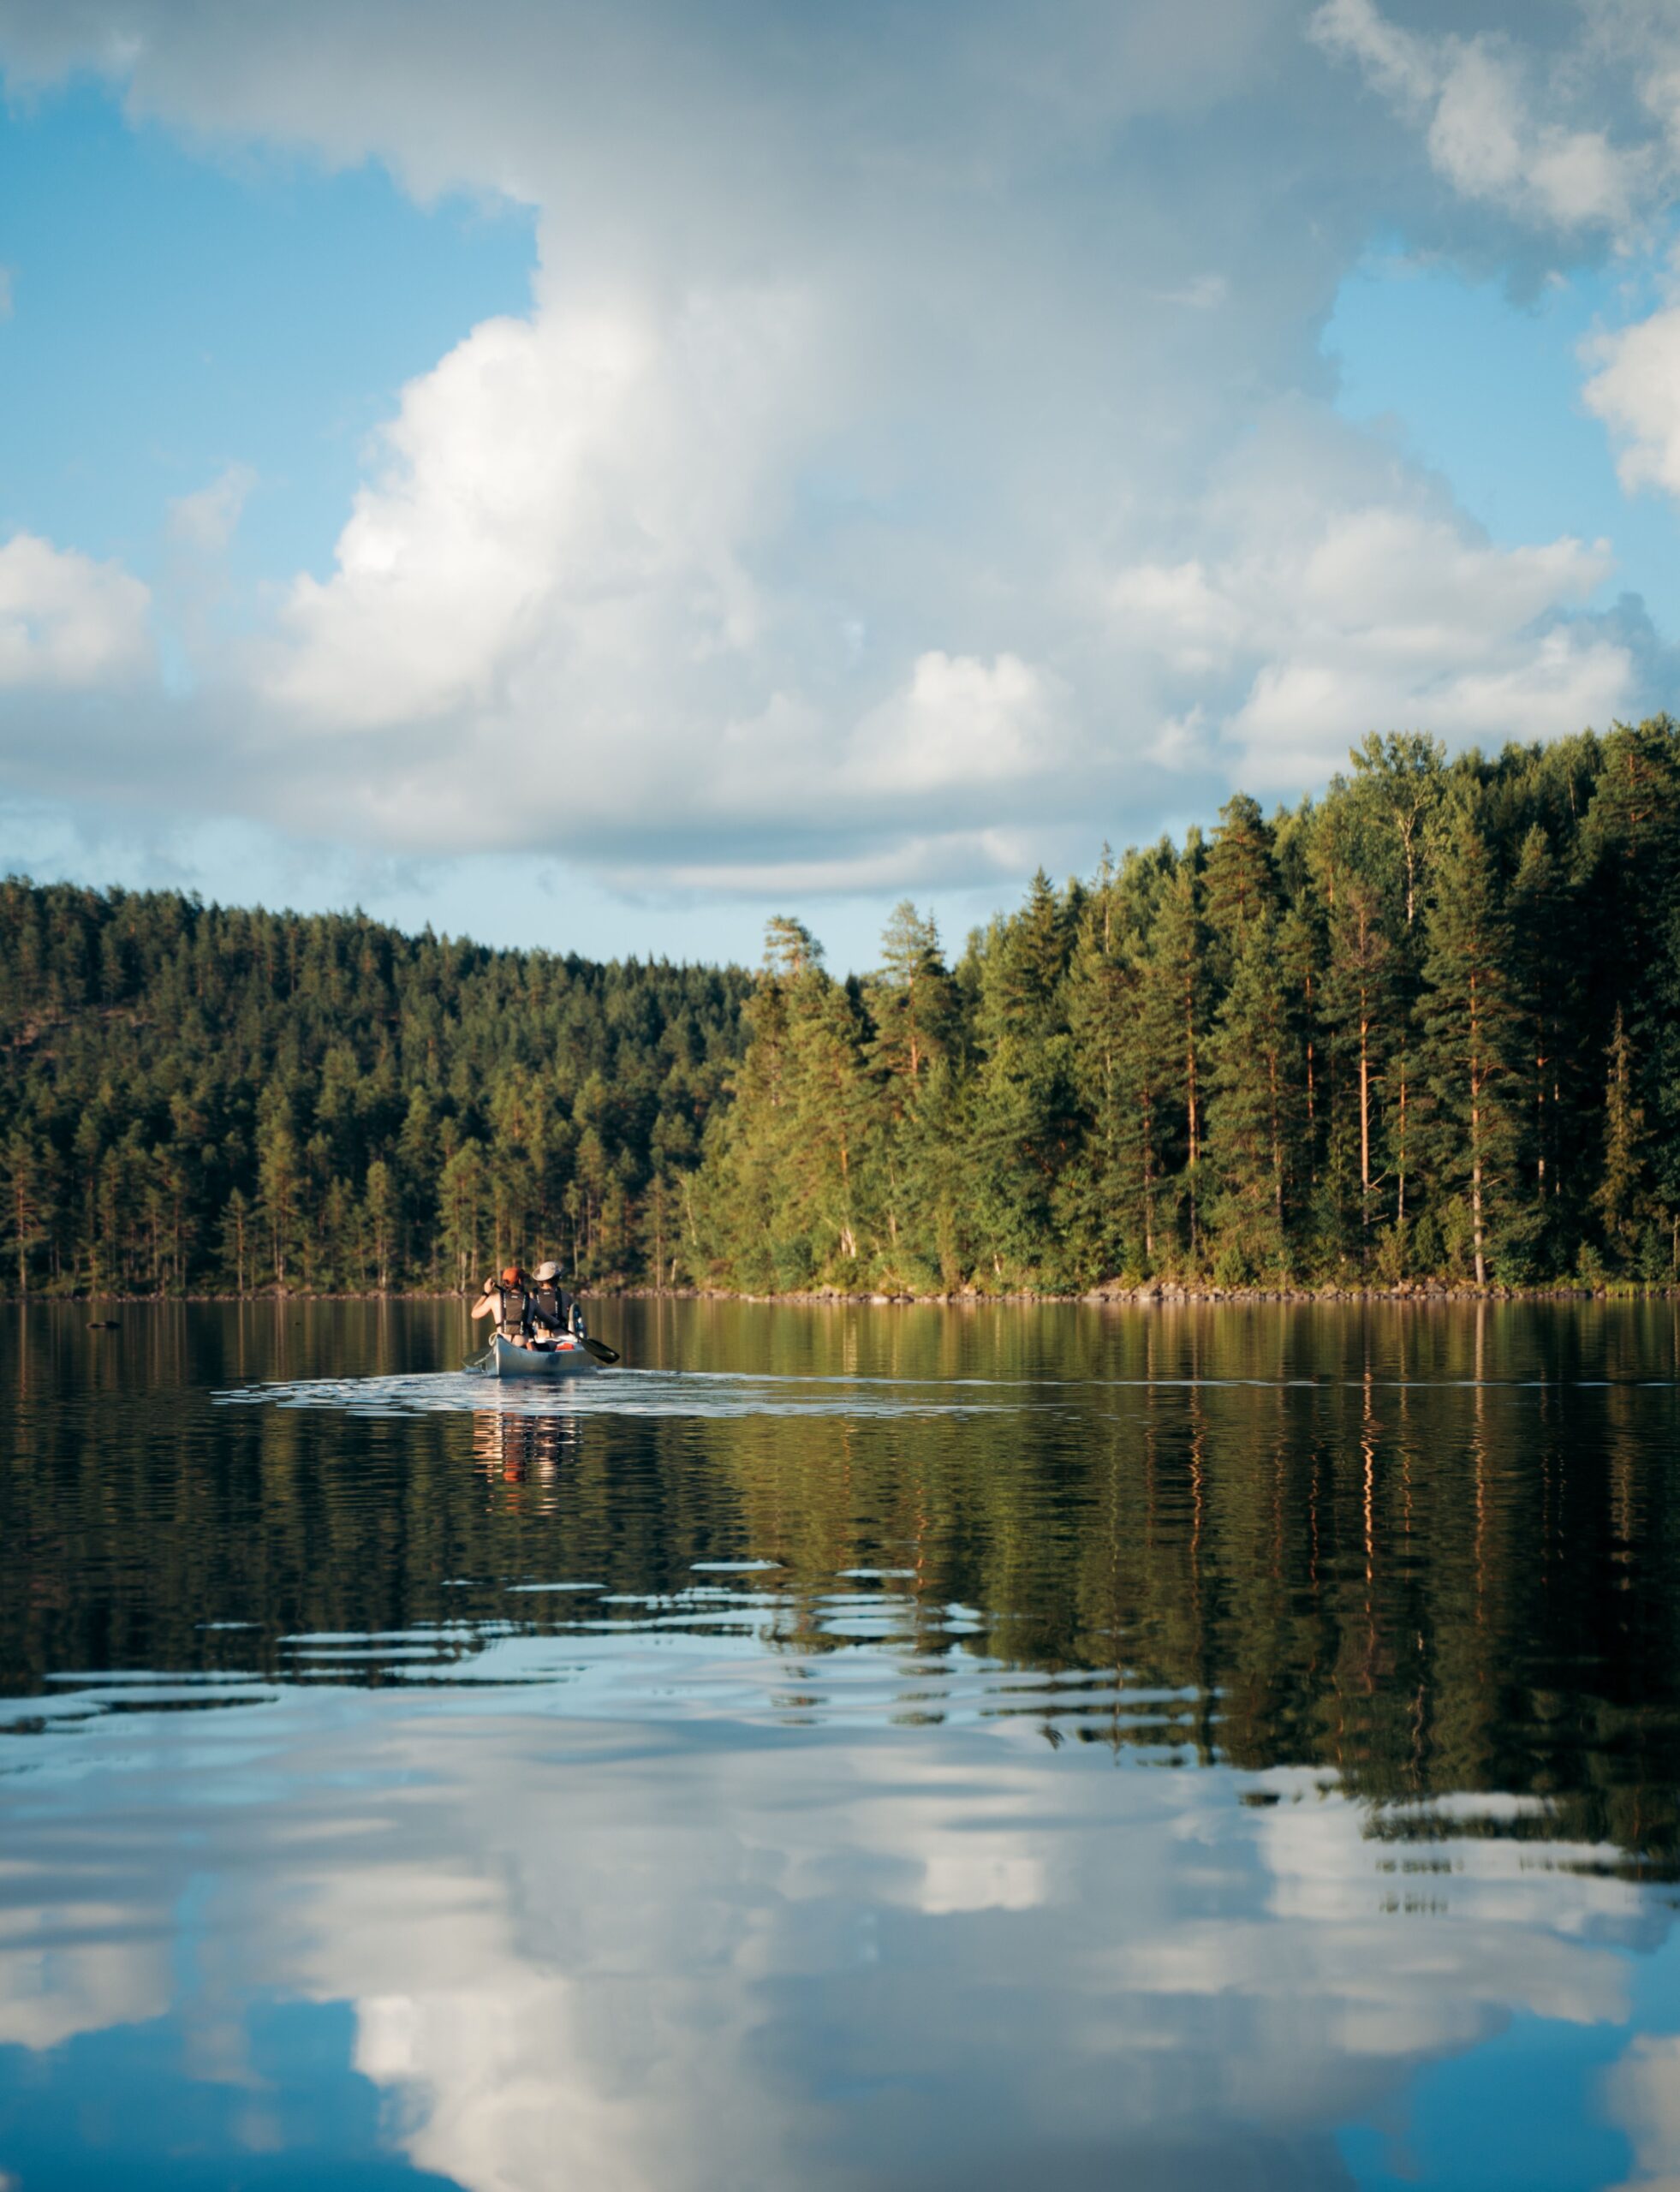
<point x="887" y="1747"/>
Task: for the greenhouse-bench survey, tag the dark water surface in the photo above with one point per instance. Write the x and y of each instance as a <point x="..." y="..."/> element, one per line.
<point x="1047" y="1749"/>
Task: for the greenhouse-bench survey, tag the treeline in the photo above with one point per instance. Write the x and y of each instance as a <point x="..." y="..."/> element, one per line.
<point x="194" y="1098"/>
<point x="1428" y="1025"/>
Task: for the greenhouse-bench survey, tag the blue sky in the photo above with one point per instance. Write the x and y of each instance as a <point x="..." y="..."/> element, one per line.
<point x="177" y="308"/>
<point x="600" y="476"/>
<point x="1484" y="388"/>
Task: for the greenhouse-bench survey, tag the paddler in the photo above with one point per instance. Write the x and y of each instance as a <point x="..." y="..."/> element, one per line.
<point x="553" y="1307"/>
<point x="509" y="1300"/>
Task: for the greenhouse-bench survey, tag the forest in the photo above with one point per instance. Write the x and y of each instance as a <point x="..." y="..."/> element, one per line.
<point x="1424" y="1026"/>
<point x="200" y="1101"/>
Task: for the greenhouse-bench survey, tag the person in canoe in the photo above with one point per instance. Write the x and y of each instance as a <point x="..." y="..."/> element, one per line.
<point x="555" y="1309"/>
<point x="530" y="1313"/>
<point x="511" y="1301"/>
<point x="538" y="1316"/>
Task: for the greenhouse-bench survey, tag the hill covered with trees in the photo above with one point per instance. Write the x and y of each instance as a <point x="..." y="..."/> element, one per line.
<point x="1428" y="1025"/>
<point x="195" y="1100"/>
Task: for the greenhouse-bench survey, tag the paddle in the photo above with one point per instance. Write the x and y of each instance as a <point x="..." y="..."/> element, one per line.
<point x="599" y="1350"/>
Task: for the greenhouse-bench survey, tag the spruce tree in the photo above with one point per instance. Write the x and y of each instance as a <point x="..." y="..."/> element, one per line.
<point x="1251" y="1124"/>
<point x="1468" y="1022"/>
<point x="1620" y="1198"/>
<point x="1176" y="1008"/>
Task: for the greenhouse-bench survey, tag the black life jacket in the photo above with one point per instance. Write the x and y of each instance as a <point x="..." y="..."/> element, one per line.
<point x="554" y="1305"/>
<point x="512" y="1310"/>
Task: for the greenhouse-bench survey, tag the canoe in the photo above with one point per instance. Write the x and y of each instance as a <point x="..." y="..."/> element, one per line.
<point x="565" y="1358"/>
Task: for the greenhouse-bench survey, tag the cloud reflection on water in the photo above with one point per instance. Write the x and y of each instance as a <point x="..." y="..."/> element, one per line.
<point x="1193" y="1766"/>
<point x="651" y="1955"/>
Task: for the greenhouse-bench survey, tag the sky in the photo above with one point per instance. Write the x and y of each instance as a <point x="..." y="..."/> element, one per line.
<point x="595" y="476"/>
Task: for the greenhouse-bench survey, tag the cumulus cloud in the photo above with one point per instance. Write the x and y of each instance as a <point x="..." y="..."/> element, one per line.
<point x="1636" y="392"/>
<point x="872" y="494"/>
<point x="1358" y="605"/>
<point x="67" y="622"/>
<point x="563" y="503"/>
<point x="957" y="722"/>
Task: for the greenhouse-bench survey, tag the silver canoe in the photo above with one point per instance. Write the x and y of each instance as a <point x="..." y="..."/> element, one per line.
<point x="565" y="1358"/>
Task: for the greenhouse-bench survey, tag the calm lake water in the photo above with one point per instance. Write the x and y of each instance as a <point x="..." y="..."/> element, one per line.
<point x="874" y="1748"/>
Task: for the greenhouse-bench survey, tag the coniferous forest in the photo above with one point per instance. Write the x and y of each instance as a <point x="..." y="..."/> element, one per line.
<point x="194" y="1099"/>
<point x="1426" y="1026"/>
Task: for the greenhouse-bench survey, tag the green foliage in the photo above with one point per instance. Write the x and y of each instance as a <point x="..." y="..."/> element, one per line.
<point x="1367" y="1037"/>
<point x="1427" y="1024"/>
<point x="193" y="1099"/>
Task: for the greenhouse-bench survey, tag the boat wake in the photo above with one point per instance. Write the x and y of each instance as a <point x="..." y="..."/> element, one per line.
<point x="633" y="1393"/>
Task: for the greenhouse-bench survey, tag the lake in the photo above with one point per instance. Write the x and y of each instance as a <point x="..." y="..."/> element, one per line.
<point x="888" y="1747"/>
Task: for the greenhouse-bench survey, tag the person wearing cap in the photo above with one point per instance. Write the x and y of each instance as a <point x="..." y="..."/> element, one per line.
<point x="510" y="1300"/>
<point x="553" y="1306"/>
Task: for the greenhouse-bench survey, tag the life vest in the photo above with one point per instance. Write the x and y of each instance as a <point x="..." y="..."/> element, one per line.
<point x="554" y="1305"/>
<point x="513" y="1304"/>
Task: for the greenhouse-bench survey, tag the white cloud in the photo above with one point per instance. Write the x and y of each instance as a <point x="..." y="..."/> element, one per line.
<point x="546" y="1998"/>
<point x="560" y="493"/>
<point x="1469" y="96"/>
<point x="1398" y="63"/>
<point x="885" y="485"/>
<point x="1642" y="2091"/>
<point x="1375" y="617"/>
<point x="959" y="721"/>
<point x="66" y="622"/>
<point x="1183" y="745"/>
<point x="1636" y="392"/>
<point x="1194" y="625"/>
<point x="205" y="522"/>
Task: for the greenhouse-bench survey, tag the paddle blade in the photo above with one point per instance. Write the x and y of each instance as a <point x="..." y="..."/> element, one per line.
<point x="601" y="1353"/>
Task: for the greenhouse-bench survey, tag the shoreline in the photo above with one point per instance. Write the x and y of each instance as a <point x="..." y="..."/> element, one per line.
<point x="1147" y="1294"/>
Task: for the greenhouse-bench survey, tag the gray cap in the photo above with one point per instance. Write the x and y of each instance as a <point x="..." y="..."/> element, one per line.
<point x="548" y="1271"/>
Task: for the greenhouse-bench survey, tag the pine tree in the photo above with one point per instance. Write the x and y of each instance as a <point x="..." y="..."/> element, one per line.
<point x="1468" y="1019"/>
<point x="1620" y="1198"/>
<point x="1402" y="779"/>
<point x="1173" y="1025"/>
<point x="912" y="1002"/>
<point x="461" y="1210"/>
<point x="379" y="1212"/>
<point x="1539" y="913"/>
<point x="235" y="1239"/>
<point x="1251" y="1123"/>
<point x="279" y="1173"/>
<point x="1359" y="1003"/>
<point x="26" y="1178"/>
<point x="1025" y="1122"/>
<point x="1239" y="882"/>
<point x="1106" y="1194"/>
